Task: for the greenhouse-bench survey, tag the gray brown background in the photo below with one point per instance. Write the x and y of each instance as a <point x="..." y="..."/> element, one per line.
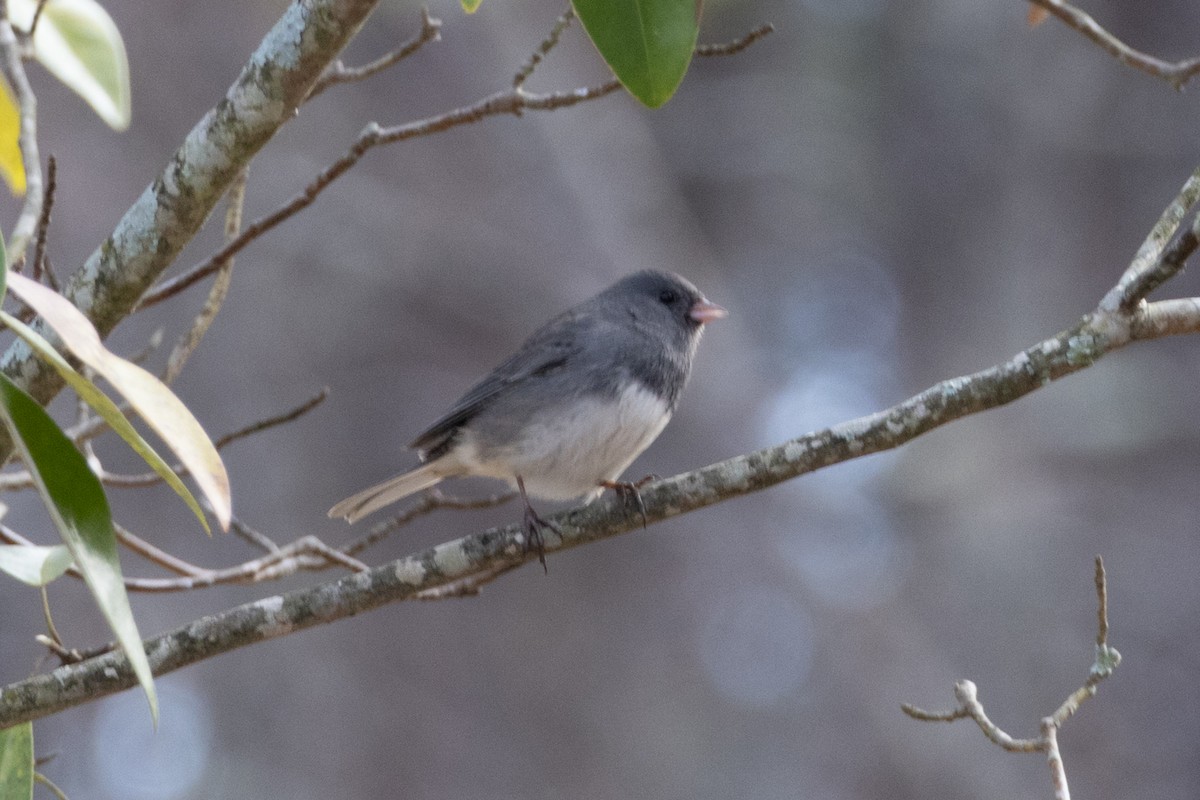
<point x="884" y="194"/>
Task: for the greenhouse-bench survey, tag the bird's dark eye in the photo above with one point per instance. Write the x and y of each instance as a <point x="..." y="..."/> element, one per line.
<point x="667" y="296"/>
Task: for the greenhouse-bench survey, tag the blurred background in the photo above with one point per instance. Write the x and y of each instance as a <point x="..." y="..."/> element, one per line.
<point x="884" y="194"/>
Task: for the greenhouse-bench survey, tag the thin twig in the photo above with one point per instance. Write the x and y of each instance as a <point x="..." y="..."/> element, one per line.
<point x="188" y="343"/>
<point x="737" y="45"/>
<point x="431" y="500"/>
<point x="43" y="224"/>
<point x="509" y="102"/>
<point x="14" y="70"/>
<point x="271" y="422"/>
<point x="1145" y="271"/>
<point x="144" y="479"/>
<point x="305" y="554"/>
<point x="154" y="554"/>
<point x="37" y="17"/>
<point x="549" y="43"/>
<point x="1058" y="774"/>
<point x="253" y="536"/>
<point x="339" y="73"/>
<point x="1176" y="73"/>
<point x="469" y="586"/>
<point x="968" y="705"/>
<point x="49" y="618"/>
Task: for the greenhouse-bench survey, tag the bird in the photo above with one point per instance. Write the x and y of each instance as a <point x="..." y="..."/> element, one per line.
<point x="566" y="414"/>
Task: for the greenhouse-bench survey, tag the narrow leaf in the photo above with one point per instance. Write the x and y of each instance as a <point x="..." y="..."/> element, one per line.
<point x="12" y="166"/>
<point x="470" y="6"/>
<point x="77" y="504"/>
<point x="16" y="762"/>
<point x="107" y="409"/>
<point x="34" y="564"/>
<point x="648" y="44"/>
<point x="78" y="42"/>
<point x="149" y="396"/>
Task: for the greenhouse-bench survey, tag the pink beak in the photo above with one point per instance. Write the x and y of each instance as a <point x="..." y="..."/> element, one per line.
<point x="704" y="312"/>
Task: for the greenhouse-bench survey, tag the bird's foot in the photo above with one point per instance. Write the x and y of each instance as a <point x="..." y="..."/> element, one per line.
<point x="628" y="489"/>
<point x="534" y="523"/>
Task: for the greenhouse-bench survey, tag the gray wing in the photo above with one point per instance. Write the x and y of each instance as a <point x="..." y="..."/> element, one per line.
<point x="547" y="350"/>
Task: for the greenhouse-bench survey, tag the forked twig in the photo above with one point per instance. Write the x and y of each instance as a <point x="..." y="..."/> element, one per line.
<point x="969" y="707"/>
<point x="338" y="72"/>
<point x="514" y="101"/>
<point x="1176" y="73"/>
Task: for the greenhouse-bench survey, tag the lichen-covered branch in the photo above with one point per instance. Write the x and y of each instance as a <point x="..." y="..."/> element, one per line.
<point x="455" y="562"/>
<point x="275" y="81"/>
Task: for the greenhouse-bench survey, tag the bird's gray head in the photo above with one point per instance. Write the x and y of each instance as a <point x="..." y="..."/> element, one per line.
<point x="665" y="301"/>
<point x="670" y="313"/>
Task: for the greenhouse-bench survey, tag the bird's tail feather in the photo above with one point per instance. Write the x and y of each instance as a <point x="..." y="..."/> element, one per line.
<point x="367" y="501"/>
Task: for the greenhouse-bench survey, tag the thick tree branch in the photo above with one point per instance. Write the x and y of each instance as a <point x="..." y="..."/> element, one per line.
<point x="456" y="562"/>
<point x="471" y="560"/>
<point x="148" y="238"/>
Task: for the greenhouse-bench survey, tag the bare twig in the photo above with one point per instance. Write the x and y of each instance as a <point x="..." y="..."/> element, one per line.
<point x="737" y="45"/>
<point x="279" y="419"/>
<point x="968" y="705"/>
<point x="549" y="43"/>
<point x="51" y="630"/>
<point x="188" y="343"/>
<point x="1176" y="73"/>
<point x="470" y="586"/>
<point x="14" y="70"/>
<point x="1149" y="269"/>
<point x="431" y="500"/>
<point x="90" y="427"/>
<point x="338" y="72"/>
<point x="253" y="536"/>
<point x="15" y="481"/>
<point x="513" y="101"/>
<point x="40" y="264"/>
<point x="155" y="555"/>
<point x="304" y="554"/>
<point x="37" y="17"/>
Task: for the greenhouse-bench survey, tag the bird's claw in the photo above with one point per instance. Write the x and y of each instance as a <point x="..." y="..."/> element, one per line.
<point x="626" y="489"/>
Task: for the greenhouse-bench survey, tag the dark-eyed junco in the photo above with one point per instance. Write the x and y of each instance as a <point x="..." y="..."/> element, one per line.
<point x="574" y="406"/>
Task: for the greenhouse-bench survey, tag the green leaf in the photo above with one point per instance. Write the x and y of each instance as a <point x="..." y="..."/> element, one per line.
<point x="16" y="762"/>
<point x="107" y="409"/>
<point x="34" y="564"/>
<point x="648" y="44"/>
<point x="149" y="396"/>
<point x="77" y="504"/>
<point x="471" y="6"/>
<point x="79" y="43"/>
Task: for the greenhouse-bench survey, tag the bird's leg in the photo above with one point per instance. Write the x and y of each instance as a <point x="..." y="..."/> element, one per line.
<point x="534" y="523"/>
<point x="625" y="489"/>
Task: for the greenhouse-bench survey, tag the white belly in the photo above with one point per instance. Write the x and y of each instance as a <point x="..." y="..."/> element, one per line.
<point x="566" y="454"/>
